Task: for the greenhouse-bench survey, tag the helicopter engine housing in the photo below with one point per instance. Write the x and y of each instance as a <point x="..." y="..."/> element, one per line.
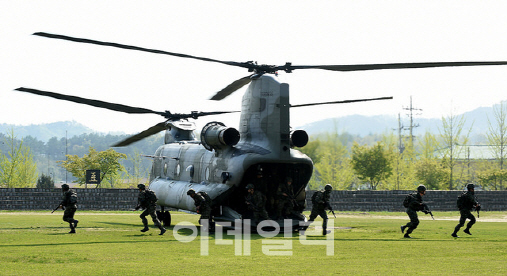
<point x="216" y="135"/>
<point x="298" y="138"/>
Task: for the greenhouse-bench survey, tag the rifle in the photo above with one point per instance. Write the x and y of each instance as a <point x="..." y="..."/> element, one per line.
<point x="478" y="208"/>
<point x="57" y="207"/>
<point x="330" y="209"/>
<point x="427" y="210"/>
<point x="248" y="200"/>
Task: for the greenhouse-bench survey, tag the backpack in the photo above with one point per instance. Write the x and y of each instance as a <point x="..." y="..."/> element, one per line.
<point x="314" y="196"/>
<point x="73" y="198"/>
<point x="407" y="200"/>
<point x="460" y="201"/>
<point x="150" y="196"/>
<point x="206" y="197"/>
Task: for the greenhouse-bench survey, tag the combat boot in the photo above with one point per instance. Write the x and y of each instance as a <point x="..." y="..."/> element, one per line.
<point x="162" y="230"/>
<point x="455" y="235"/>
<point x="407" y="236"/>
<point x="73" y="231"/>
<point x="145" y="229"/>
<point x="403" y="228"/>
<point x="325" y="232"/>
<point x="467" y="231"/>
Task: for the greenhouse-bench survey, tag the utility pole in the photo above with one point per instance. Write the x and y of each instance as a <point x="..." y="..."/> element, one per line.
<point x="411" y="116"/>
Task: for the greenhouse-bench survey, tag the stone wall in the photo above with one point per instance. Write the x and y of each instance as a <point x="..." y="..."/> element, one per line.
<point x="48" y="199"/>
<point x="392" y="201"/>
<point x="126" y="199"/>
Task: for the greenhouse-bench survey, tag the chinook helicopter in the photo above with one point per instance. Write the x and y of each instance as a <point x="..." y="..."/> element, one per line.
<point x="225" y="160"/>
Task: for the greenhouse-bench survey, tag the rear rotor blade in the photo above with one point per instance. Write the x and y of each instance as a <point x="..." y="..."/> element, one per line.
<point x="346" y="101"/>
<point x="146" y="133"/>
<point x="95" y="103"/>
<point x="237" y="84"/>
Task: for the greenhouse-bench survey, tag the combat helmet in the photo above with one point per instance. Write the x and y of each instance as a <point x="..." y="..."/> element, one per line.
<point x="191" y="192"/>
<point x="470" y="186"/>
<point x="328" y="187"/>
<point x="421" y="188"/>
<point x="65" y="187"/>
<point x="250" y="186"/>
<point x="141" y="186"/>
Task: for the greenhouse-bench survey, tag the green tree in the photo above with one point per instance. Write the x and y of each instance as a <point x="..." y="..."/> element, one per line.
<point x="371" y="164"/>
<point x="45" y="182"/>
<point x="432" y="173"/>
<point x="17" y="168"/>
<point x="452" y="136"/>
<point x="497" y="138"/>
<point x="108" y="162"/>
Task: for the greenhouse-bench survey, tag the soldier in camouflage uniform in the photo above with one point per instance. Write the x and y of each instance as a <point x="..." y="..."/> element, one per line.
<point x="466" y="205"/>
<point x="203" y="207"/>
<point x="320" y="202"/>
<point x="256" y="202"/>
<point x="285" y="195"/>
<point x="148" y="201"/>
<point x="69" y="204"/>
<point x="416" y="204"/>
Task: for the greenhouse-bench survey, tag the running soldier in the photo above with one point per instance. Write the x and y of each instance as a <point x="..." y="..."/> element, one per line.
<point x="466" y="202"/>
<point x="202" y="204"/>
<point x="148" y="201"/>
<point x="320" y="202"/>
<point x="414" y="204"/>
<point x="69" y="204"/>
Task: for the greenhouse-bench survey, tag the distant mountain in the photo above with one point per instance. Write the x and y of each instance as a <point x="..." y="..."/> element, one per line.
<point x="366" y="125"/>
<point x="353" y="124"/>
<point x="44" y="132"/>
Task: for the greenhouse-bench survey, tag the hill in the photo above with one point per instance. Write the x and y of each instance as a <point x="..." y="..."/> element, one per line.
<point x="365" y="125"/>
<point x="44" y="132"/>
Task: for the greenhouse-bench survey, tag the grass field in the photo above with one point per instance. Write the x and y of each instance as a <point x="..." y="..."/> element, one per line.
<point x="110" y="243"/>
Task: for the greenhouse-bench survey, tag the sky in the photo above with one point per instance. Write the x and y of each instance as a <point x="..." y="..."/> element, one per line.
<point x="269" y="32"/>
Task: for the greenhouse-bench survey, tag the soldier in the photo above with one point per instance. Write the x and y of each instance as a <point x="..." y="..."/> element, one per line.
<point x="415" y="204"/>
<point x="285" y="195"/>
<point x="466" y="202"/>
<point x="202" y="204"/>
<point x="256" y="202"/>
<point x="320" y="202"/>
<point x="69" y="201"/>
<point x="148" y="201"/>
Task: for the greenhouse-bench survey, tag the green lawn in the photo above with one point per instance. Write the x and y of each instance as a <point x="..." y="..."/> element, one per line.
<point x="110" y="243"/>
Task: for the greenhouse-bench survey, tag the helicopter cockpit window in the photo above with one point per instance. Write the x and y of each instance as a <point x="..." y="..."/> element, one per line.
<point x="190" y="170"/>
<point x="165" y="169"/>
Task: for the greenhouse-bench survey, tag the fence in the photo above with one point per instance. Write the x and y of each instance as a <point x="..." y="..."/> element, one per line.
<point x="126" y="199"/>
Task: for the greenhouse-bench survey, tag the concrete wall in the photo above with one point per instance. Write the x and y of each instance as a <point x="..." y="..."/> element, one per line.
<point x="126" y="199"/>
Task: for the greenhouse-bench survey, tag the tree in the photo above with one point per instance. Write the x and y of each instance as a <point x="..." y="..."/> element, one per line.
<point x="432" y="173"/>
<point x="451" y="133"/>
<point x="497" y="138"/>
<point x="371" y="164"/>
<point x="17" y="170"/>
<point x="45" y="182"/>
<point x="108" y="162"/>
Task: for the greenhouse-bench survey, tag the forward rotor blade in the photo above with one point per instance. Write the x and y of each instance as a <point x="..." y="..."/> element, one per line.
<point x="146" y="133"/>
<point x="95" y="103"/>
<point x="237" y="84"/>
<point x="365" y="67"/>
<point x="130" y="47"/>
<point x="346" y="101"/>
